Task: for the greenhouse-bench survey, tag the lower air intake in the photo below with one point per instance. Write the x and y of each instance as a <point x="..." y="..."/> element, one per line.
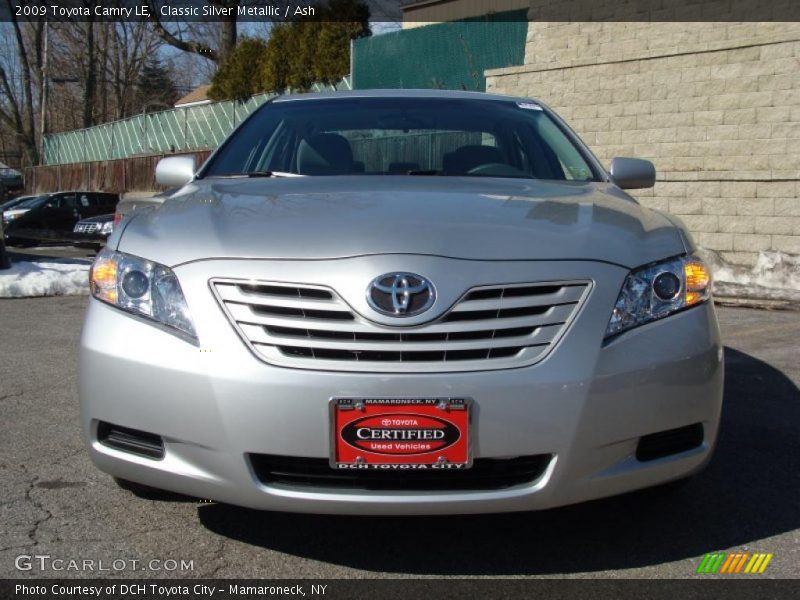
<point x="132" y="441"/>
<point x="485" y="474"/>
<point x="669" y="442"/>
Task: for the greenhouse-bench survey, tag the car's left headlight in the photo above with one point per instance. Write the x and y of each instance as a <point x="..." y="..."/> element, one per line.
<point x="656" y="291"/>
<point x="141" y="287"/>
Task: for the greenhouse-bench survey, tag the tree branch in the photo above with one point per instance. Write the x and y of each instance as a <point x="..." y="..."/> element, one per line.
<point x="16" y="122"/>
<point x="27" y="129"/>
<point x="179" y="43"/>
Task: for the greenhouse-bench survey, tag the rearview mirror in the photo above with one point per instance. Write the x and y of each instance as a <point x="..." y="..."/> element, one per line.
<point x="632" y="173"/>
<point x="175" y="171"/>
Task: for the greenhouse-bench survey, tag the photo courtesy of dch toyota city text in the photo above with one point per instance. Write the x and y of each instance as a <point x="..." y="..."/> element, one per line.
<point x="399" y="298"/>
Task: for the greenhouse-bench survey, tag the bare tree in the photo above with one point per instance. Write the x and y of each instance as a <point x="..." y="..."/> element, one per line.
<point x="17" y="84"/>
<point x="130" y="44"/>
<point x="96" y="82"/>
<point x="185" y="36"/>
<point x="74" y="55"/>
<point x="90" y="75"/>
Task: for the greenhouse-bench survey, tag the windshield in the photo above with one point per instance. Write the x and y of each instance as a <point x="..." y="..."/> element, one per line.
<point x="402" y="136"/>
<point x="8" y="204"/>
<point x="34" y="202"/>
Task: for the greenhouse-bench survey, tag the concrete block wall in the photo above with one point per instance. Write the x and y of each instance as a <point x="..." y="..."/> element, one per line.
<point x="715" y="105"/>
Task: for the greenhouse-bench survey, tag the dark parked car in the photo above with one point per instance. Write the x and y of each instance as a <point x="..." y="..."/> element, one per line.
<point x="11" y="179"/>
<point x="13" y="203"/>
<point x="93" y="232"/>
<point x="4" y="262"/>
<point x="53" y="216"/>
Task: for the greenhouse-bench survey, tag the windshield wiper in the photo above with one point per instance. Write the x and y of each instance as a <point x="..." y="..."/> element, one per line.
<point x="258" y="174"/>
<point x="271" y="174"/>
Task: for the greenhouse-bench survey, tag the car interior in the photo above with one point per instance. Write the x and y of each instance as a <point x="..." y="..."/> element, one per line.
<point x="331" y="153"/>
<point x="518" y="143"/>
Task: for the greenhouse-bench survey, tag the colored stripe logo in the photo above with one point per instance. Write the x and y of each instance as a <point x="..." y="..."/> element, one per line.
<point x="734" y="562"/>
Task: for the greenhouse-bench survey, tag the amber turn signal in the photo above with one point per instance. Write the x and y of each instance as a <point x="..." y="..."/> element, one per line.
<point x="698" y="280"/>
<point x="103" y="277"/>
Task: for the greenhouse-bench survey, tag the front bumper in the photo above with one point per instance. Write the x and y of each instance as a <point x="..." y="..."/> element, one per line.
<point x="77" y="238"/>
<point x="587" y="404"/>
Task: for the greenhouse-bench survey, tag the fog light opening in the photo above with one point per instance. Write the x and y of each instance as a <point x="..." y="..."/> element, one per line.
<point x="669" y="442"/>
<point x="130" y="440"/>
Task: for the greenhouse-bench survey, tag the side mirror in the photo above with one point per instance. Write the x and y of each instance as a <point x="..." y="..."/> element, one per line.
<point x="175" y="171"/>
<point x="632" y="173"/>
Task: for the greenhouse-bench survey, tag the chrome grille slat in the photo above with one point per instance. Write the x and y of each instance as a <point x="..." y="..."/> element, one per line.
<point x="258" y="336"/>
<point x="556" y="316"/>
<point x="490" y="327"/>
<point x="566" y="295"/>
<point x="242" y="313"/>
<point x="528" y="355"/>
<point x="233" y="293"/>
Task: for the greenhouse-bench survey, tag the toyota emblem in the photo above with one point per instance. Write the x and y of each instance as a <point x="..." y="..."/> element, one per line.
<point x="400" y="294"/>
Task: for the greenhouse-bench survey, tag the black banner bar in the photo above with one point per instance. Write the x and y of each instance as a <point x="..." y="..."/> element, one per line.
<point x="402" y="589"/>
<point x="398" y="10"/>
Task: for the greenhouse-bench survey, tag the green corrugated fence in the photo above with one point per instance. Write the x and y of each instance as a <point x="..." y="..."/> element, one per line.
<point x="184" y="129"/>
<point x="177" y="130"/>
<point x="444" y="55"/>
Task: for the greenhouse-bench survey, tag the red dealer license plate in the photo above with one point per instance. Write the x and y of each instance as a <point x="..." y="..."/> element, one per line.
<point x="391" y="433"/>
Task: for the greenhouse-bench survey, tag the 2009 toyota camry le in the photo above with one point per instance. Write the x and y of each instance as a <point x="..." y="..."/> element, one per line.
<point x="401" y="302"/>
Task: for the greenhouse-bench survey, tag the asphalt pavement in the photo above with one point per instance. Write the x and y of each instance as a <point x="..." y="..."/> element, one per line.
<point x="54" y="503"/>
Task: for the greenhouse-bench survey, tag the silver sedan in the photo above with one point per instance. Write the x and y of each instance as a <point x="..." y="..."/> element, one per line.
<point x="401" y="302"/>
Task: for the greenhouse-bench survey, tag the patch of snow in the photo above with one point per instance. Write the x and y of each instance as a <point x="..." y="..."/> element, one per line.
<point x="48" y="277"/>
<point x="51" y="248"/>
<point x="775" y="276"/>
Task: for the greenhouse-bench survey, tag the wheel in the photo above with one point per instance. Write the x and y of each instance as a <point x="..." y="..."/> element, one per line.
<point x="20" y="243"/>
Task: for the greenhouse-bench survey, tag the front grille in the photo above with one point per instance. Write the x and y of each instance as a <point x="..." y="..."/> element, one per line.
<point x="490" y="327"/>
<point x="485" y="474"/>
<point x="87" y="227"/>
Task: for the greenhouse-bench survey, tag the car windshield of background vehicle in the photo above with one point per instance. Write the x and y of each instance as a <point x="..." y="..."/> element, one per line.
<point x="402" y="136"/>
<point x="33" y="202"/>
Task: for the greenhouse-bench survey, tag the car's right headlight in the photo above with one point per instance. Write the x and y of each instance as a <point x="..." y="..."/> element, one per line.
<point x="141" y="287"/>
<point x="656" y="291"/>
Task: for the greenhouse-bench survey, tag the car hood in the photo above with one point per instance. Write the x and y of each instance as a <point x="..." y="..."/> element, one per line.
<point x="345" y="216"/>
<point x="98" y="219"/>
